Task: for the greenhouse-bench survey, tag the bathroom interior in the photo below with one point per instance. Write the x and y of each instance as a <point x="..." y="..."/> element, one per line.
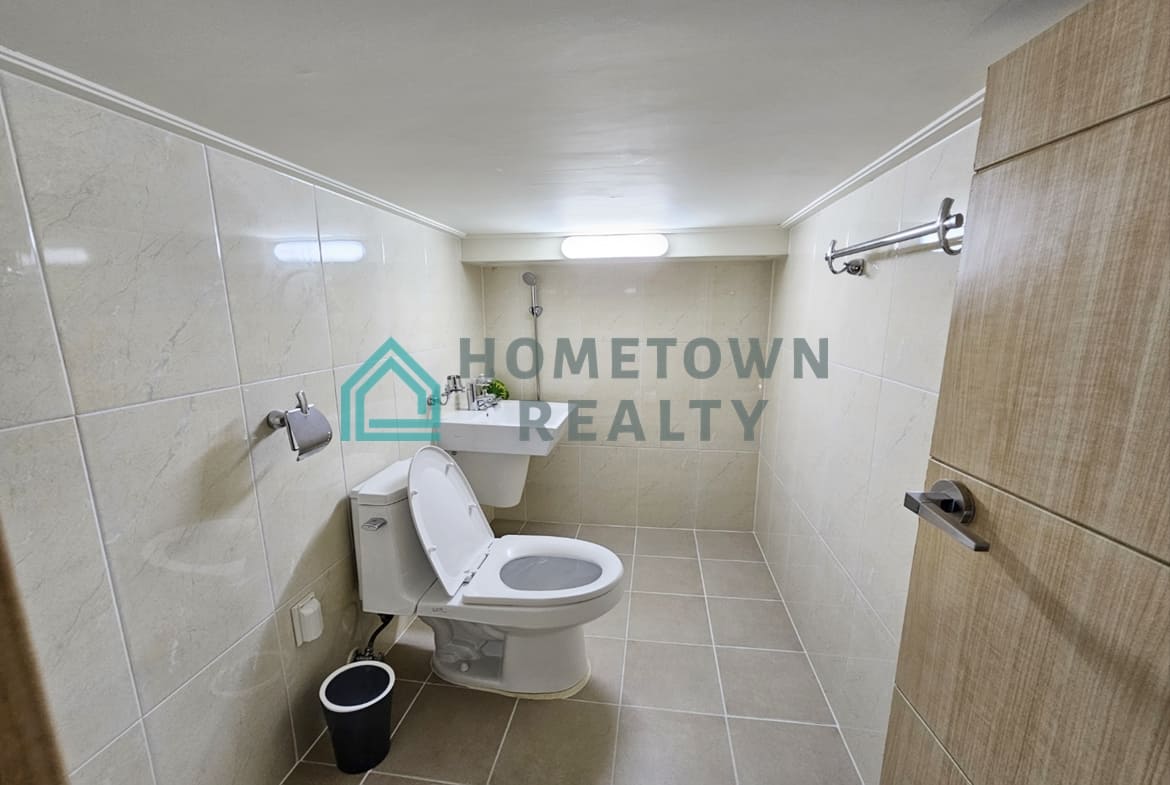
<point x="756" y="394"/>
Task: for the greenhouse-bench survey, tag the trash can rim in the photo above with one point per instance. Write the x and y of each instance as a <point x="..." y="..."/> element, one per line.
<point x="331" y="706"/>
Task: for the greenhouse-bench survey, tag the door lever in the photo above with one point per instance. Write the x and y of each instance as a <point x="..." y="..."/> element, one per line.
<point x="948" y="506"/>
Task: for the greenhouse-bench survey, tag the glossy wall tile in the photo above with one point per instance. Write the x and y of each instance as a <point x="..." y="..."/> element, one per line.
<point x="837" y="454"/>
<point x="673" y="476"/>
<point x="163" y="530"/>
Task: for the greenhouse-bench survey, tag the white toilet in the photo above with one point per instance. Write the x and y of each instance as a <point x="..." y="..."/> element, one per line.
<point x="509" y="612"/>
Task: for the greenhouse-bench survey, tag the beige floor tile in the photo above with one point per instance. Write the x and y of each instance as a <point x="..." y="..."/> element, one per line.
<point x="377" y="778"/>
<point x="550" y="529"/>
<point x="310" y="773"/>
<point x="666" y="542"/>
<point x="613" y="623"/>
<point x="771" y="685"/>
<point x="410" y="656"/>
<point x="668" y="618"/>
<point x="729" y="545"/>
<point x="558" y="743"/>
<point x="738" y="579"/>
<point x="668" y="748"/>
<point x="762" y="624"/>
<point x="671" y="575"/>
<point x="606" y="656"/>
<point x="449" y="734"/>
<point x="404" y="694"/>
<point x="778" y="753"/>
<point x="619" y="539"/>
<point x="671" y="676"/>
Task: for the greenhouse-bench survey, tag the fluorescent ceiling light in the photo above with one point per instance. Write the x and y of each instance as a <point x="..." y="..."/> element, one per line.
<point x="614" y="246"/>
<point x="307" y="251"/>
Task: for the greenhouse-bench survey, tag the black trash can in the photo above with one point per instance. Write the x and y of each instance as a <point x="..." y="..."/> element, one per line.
<point x="356" y="699"/>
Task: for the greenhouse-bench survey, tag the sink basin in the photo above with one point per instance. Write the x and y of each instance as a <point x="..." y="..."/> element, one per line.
<point x="498" y="429"/>
<point x="493" y="448"/>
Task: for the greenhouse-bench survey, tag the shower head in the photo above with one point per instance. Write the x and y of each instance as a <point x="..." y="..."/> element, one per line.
<point x="534" y="309"/>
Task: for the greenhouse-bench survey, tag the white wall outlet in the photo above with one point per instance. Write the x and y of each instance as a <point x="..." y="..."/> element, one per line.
<point x="308" y="620"/>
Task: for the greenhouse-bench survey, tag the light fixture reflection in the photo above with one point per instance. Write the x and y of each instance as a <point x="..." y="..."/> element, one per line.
<point x="331" y="251"/>
<point x="614" y="246"/>
<point x="66" y="255"/>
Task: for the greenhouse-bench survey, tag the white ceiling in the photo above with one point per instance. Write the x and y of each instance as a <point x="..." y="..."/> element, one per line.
<point x="501" y="116"/>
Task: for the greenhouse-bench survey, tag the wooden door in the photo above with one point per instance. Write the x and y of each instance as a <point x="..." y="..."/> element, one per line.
<point x="1046" y="659"/>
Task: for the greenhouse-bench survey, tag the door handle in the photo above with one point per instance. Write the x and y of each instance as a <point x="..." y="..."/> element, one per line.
<point x="948" y="506"/>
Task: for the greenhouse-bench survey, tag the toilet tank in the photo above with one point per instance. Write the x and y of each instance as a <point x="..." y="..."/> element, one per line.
<point x="393" y="572"/>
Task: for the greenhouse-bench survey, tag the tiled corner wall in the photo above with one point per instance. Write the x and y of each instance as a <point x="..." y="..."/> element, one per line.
<point x="691" y="483"/>
<point x="160" y="530"/>
<point x="838" y="453"/>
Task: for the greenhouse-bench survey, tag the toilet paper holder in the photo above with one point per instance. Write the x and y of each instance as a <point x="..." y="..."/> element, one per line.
<point x="309" y="431"/>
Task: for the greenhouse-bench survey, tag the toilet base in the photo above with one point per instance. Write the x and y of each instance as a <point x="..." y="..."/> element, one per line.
<point x="516" y="662"/>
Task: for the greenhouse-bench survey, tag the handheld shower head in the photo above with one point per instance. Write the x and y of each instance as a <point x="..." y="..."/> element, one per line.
<point x="530" y="279"/>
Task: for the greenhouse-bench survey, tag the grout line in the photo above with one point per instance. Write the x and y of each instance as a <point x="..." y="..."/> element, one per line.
<point x="410" y="705"/>
<point x="832" y="712"/>
<point x="617" y="725"/>
<point x="504" y="738"/>
<point x="837" y="561"/>
<point x="251" y="444"/>
<point x="718" y="672"/>
<point x="117" y="606"/>
<point x="34" y="244"/>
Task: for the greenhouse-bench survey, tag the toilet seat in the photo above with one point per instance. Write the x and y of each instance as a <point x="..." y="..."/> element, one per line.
<point x="470" y="562"/>
<point x="488" y="585"/>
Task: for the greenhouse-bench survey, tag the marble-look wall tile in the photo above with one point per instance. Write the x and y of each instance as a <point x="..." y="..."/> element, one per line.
<point x="125" y="762"/>
<point x="52" y="535"/>
<point x="726" y="490"/>
<point x="267" y="226"/>
<point x="553" y="490"/>
<point x="905" y="419"/>
<point x="122" y="215"/>
<point x="306" y="666"/>
<point x="304" y="506"/>
<point x="178" y="514"/>
<point x="720" y="299"/>
<point x="668" y="483"/>
<point x="32" y="374"/>
<point x="230" y="723"/>
<point x="609" y="485"/>
<point x="838" y="454"/>
<point x="363" y="295"/>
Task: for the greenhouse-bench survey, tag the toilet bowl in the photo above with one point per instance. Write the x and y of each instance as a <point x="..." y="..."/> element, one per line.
<point x="508" y="612"/>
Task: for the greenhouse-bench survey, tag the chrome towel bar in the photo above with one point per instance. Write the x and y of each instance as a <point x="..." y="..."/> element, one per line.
<point x="939" y="226"/>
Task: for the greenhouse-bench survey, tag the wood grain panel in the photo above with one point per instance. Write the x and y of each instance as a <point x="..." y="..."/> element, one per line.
<point x="1056" y="384"/>
<point x="1044" y="660"/>
<point x="28" y="747"/>
<point x="912" y="756"/>
<point x="1109" y="58"/>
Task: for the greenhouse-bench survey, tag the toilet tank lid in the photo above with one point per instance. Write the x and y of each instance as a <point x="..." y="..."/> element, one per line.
<point x="385" y="487"/>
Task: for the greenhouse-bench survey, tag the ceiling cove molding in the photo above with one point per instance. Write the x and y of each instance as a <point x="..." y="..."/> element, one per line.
<point x="50" y="76"/>
<point x="738" y="242"/>
<point x="958" y="117"/>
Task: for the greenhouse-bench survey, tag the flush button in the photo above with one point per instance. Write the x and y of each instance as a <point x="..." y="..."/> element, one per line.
<point x="373" y="524"/>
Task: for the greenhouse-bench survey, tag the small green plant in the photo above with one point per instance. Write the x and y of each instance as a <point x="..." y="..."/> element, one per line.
<point x="499" y="389"/>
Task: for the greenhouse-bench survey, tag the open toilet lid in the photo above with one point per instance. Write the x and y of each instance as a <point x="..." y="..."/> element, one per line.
<point x="450" y="523"/>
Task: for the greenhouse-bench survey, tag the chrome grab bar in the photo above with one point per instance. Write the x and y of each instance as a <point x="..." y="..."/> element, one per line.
<point x="942" y="224"/>
<point x="948" y="506"/>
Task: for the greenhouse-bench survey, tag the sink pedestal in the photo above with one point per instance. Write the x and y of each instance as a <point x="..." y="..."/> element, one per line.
<point x="493" y="446"/>
<point x="498" y="480"/>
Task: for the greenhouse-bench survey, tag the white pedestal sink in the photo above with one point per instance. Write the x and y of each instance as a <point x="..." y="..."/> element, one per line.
<point x="493" y="447"/>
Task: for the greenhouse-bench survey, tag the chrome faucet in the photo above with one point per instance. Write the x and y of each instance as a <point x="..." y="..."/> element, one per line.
<point x="481" y="399"/>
